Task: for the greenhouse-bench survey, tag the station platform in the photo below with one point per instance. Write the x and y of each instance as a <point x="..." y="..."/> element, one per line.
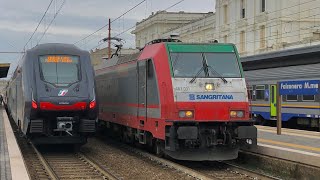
<point x="293" y="145"/>
<point x="11" y="161"/>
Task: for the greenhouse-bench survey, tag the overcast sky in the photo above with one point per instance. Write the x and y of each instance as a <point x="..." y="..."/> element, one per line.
<point x="76" y="20"/>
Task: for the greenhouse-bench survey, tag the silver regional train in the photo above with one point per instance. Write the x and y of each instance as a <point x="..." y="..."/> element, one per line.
<point x="51" y="96"/>
<point x="298" y="72"/>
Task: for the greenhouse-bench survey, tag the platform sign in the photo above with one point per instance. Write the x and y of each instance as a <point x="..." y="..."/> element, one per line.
<point x="309" y="87"/>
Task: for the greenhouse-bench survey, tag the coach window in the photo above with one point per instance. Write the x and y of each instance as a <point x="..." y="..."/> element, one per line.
<point x="292" y="97"/>
<point x="260" y="92"/>
<point x="308" y="98"/>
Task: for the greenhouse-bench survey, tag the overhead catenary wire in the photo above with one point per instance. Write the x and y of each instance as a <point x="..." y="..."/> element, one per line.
<point x="135" y="25"/>
<point x="38" y="25"/>
<point x="269" y="20"/>
<point x="54" y="17"/>
<point x="175" y="4"/>
<point x="266" y="21"/>
<point x="111" y="22"/>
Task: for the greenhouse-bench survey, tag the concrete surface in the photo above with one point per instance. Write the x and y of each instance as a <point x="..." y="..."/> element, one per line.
<point x="17" y="170"/>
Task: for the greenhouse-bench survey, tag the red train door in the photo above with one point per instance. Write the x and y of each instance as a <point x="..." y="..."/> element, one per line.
<point x="142" y="92"/>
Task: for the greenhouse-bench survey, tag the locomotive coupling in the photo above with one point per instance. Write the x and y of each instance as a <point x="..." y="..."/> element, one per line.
<point x="65" y="124"/>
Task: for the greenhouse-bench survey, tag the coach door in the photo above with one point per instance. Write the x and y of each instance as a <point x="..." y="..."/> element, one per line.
<point x="142" y="92"/>
<point x="273" y="100"/>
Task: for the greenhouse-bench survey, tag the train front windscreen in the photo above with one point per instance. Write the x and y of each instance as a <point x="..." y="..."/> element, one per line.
<point x="60" y="70"/>
<point x="202" y="65"/>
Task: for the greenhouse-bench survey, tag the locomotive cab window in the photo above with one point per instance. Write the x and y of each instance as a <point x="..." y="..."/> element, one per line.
<point x="60" y="70"/>
<point x="201" y="65"/>
<point x="187" y="64"/>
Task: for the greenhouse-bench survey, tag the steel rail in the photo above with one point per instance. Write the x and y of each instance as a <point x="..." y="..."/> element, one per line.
<point x="94" y="164"/>
<point x="45" y="164"/>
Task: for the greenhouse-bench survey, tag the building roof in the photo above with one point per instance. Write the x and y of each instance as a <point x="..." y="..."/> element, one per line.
<point x="283" y="53"/>
<point x="166" y="12"/>
<point x="283" y="58"/>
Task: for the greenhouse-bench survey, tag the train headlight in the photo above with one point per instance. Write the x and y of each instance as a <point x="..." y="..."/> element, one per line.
<point x="209" y="87"/>
<point x="240" y="114"/>
<point x="237" y="114"/>
<point x="182" y="114"/>
<point x="185" y="114"/>
<point x="189" y="114"/>
<point x="233" y="114"/>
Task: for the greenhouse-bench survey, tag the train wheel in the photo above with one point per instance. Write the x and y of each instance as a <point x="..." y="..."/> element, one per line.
<point x="158" y="147"/>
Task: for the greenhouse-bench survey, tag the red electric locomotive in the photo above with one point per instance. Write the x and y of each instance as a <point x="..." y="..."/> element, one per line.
<point x="188" y="101"/>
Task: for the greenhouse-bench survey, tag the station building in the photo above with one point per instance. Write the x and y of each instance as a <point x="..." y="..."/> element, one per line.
<point x="161" y="22"/>
<point x="255" y="26"/>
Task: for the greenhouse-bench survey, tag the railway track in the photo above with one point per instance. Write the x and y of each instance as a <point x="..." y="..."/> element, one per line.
<point x="199" y="170"/>
<point x="62" y="165"/>
<point x="224" y="170"/>
<point x="125" y="165"/>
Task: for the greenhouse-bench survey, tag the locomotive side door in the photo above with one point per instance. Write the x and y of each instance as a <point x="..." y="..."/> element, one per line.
<point x="273" y="101"/>
<point x="142" y="92"/>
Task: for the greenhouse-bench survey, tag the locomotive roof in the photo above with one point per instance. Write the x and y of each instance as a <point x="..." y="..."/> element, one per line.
<point x="173" y="47"/>
<point x="53" y="47"/>
<point x="290" y="57"/>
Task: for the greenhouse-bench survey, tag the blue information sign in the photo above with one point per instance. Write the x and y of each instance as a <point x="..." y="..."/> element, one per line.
<point x="310" y="87"/>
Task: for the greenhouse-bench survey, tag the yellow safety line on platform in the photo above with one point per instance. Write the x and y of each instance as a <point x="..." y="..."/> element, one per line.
<point x="289" y="145"/>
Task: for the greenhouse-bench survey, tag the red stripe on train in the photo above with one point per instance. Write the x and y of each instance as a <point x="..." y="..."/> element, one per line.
<point x="50" y="106"/>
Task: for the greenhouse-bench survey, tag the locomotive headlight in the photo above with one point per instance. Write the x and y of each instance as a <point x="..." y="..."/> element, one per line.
<point x="185" y="114"/>
<point x="240" y="114"/>
<point x="233" y="113"/>
<point x="209" y="87"/>
<point x="182" y="114"/>
<point x="189" y="114"/>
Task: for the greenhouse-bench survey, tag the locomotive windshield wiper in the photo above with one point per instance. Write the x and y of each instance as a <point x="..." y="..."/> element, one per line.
<point x="203" y="68"/>
<point x="213" y="71"/>
<point x="207" y="68"/>
<point x="196" y="76"/>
